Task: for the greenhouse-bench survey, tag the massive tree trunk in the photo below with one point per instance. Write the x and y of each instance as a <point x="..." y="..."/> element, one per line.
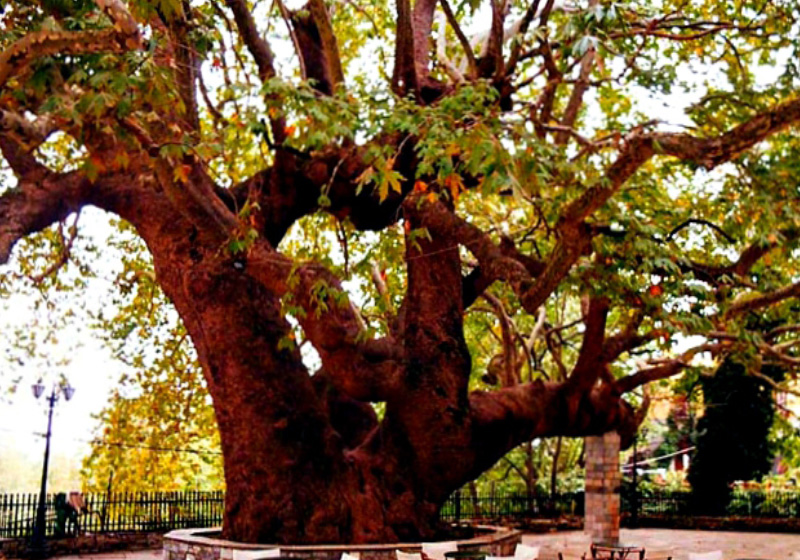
<point x="306" y="459"/>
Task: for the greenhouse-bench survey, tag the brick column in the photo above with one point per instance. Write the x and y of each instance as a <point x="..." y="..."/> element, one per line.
<point x="603" y="480"/>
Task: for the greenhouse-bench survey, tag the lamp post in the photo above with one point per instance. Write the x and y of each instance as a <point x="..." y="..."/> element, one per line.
<point x="38" y="390"/>
<point x="635" y="512"/>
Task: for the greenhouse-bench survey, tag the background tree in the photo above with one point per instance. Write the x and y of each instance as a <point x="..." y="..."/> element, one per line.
<point x="158" y="432"/>
<point x="324" y="214"/>
<point x="733" y="434"/>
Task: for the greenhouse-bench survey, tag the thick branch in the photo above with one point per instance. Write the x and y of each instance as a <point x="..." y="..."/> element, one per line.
<point x="495" y="264"/>
<point x="578" y="91"/>
<point x="364" y="369"/>
<point x="34" y="205"/>
<point x="472" y="65"/>
<point x="707" y="152"/>
<point x="328" y="40"/>
<point x="319" y="50"/>
<point x="508" y="357"/>
<point x="504" y="418"/>
<point x="746" y="303"/>
<point x="433" y="306"/>
<point x="261" y="53"/>
<point x="589" y="365"/>
<point x="491" y="61"/>
<point x="291" y="189"/>
<point x="404" y="76"/>
<point x="662" y="370"/>
<point x="21" y="161"/>
<point x="711" y="152"/>
<point x="516" y="49"/>
<point x="423" y="25"/>
<point x="750" y="256"/>
<point x="574" y="239"/>
<point x="257" y="45"/>
<point x="122" y="38"/>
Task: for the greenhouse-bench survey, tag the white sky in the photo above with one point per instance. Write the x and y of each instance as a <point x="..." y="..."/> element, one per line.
<point x="76" y="355"/>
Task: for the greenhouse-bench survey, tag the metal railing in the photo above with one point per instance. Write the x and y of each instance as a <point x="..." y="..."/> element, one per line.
<point x="164" y="511"/>
<point x="463" y="506"/>
<point x="111" y="513"/>
<point x="743" y="503"/>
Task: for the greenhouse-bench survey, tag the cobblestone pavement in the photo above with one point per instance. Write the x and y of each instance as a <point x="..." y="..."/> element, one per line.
<point x="663" y="543"/>
<point x="659" y="543"/>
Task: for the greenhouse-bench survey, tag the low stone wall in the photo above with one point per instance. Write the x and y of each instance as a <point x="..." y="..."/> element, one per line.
<point x="548" y="525"/>
<point x="202" y="544"/>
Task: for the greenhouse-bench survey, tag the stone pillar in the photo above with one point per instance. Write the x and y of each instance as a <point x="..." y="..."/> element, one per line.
<point x="602" y="499"/>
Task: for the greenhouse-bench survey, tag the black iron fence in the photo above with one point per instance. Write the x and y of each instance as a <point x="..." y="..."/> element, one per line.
<point x="164" y="511"/>
<point x="463" y="506"/>
<point x="641" y="504"/>
<point x="111" y="513"/>
<point x="743" y="503"/>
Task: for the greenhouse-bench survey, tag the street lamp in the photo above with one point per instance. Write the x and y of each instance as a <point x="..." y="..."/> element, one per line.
<point x="38" y="390"/>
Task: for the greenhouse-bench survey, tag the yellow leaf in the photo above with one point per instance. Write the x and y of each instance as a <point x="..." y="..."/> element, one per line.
<point x="181" y="173"/>
<point x="366" y="176"/>
<point x="454" y="184"/>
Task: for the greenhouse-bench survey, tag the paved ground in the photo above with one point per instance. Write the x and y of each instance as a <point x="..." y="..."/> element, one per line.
<point x="659" y="544"/>
<point x="135" y="555"/>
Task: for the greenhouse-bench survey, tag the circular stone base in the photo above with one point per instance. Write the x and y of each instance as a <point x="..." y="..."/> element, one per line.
<point x="204" y="544"/>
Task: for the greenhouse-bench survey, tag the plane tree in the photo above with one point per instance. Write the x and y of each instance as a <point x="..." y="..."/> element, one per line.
<point x="332" y="195"/>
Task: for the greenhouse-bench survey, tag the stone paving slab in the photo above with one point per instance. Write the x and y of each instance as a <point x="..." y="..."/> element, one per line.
<point x="117" y="555"/>
<point x="659" y="544"/>
<point x="663" y="543"/>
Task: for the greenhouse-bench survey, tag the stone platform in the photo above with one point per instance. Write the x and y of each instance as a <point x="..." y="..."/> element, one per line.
<point x="205" y="544"/>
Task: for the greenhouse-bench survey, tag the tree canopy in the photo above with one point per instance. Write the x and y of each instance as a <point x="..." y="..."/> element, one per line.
<point x="497" y="220"/>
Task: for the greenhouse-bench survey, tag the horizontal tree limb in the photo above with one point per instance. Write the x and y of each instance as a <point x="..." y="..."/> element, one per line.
<point x="123" y="37"/>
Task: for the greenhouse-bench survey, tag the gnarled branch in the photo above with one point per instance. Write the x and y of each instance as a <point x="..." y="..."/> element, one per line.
<point x="37" y="203"/>
<point x="364" y="369"/>
<point x="123" y="37"/>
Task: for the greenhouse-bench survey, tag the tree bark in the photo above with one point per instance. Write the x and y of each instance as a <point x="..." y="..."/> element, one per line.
<point x="294" y="472"/>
